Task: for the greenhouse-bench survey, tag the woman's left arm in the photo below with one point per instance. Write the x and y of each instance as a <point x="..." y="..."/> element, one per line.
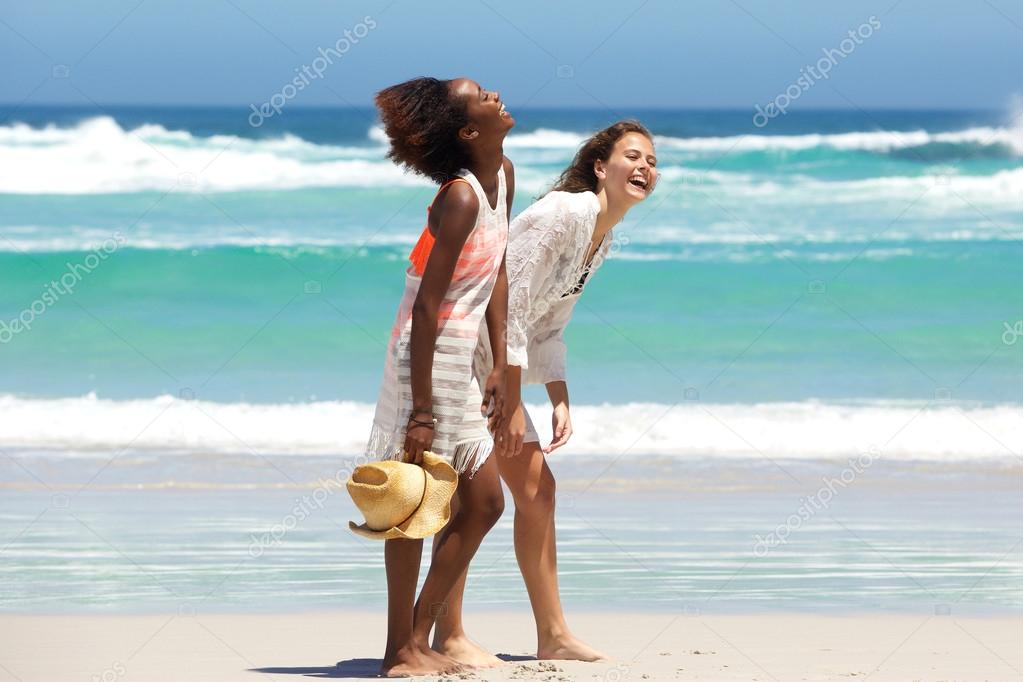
<point x="497" y="325"/>
<point x="561" y="420"/>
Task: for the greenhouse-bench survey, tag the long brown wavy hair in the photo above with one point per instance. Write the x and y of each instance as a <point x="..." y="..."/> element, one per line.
<point x="579" y="176"/>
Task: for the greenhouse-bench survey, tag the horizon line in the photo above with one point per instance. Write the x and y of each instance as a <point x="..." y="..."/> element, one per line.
<point x="15" y="106"/>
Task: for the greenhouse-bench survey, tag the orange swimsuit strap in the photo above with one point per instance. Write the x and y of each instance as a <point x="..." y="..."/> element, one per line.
<point x="421" y="251"/>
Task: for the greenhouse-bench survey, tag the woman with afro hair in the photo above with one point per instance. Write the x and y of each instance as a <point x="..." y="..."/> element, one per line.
<point x="456" y="288"/>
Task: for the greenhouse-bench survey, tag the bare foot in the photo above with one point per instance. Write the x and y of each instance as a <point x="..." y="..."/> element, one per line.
<point x="442" y="659"/>
<point x="466" y="651"/>
<point x="568" y="648"/>
<point x="412" y="660"/>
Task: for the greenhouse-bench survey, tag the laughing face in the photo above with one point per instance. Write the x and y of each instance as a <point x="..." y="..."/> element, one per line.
<point x="630" y="172"/>
<point x="488" y="116"/>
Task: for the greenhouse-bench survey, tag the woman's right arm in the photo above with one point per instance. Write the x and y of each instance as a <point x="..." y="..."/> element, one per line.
<point x="454" y="216"/>
<point x="550" y="228"/>
<point x="539" y="241"/>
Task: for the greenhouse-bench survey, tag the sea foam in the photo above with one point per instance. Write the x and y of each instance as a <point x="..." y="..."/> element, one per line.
<point x="901" y="430"/>
<point x="98" y="156"/>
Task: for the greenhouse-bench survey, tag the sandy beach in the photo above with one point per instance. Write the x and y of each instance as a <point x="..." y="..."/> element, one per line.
<point x="665" y="646"/>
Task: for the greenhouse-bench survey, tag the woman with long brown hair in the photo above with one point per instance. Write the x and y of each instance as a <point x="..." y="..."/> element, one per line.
<point x="553" y="247"/>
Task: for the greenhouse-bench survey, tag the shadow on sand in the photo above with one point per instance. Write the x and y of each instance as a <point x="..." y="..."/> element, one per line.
<point x="358" y="667"/>
<point x="353" y="667"/>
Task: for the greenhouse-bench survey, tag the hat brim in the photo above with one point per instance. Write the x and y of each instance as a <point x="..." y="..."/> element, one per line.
<point x="432" y="515"/>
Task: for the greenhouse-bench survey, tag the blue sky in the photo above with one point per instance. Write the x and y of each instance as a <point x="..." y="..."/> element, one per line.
<point x="660" y="53"/>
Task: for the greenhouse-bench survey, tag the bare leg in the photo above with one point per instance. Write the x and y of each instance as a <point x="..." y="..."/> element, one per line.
<point x="532" y="486"/>
<point x="449" y="636"/>
<point x="481" y="503"/>
<point x="404" y="656"/>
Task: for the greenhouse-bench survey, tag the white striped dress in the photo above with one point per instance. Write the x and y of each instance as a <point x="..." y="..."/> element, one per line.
<point x="461" y="433"/>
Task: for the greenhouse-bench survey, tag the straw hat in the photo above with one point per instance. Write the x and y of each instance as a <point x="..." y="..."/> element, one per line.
<point x="401" y="500"/>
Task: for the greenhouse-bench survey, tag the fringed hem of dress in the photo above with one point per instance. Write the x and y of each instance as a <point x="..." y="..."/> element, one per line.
<point x="468" y="456"/>
<point x="384" y="444"/>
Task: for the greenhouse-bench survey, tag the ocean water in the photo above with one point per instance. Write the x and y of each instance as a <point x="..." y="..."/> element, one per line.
<point x="137" y="532"/>
<point x="182" y="295"/>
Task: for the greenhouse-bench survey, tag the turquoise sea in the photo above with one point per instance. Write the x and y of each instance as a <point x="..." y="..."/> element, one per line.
<point x="193" y="317"/>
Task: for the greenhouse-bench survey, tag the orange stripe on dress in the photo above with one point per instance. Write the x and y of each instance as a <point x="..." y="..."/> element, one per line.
<point x="421" y="251"/>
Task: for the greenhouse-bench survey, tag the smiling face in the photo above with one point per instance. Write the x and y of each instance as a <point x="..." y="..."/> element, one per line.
<point x="488" y="119"/>
<point x="630" y="172"/>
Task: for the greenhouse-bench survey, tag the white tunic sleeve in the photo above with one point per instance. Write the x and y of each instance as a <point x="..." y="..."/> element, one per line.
<point x="547" y="246"/>
<point x="547" y="348"/>
<point x="537" y="241"/>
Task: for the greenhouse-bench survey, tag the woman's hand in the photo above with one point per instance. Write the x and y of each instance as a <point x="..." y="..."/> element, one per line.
<point x="561" y="423"/>
<point x="508" y="440"/>
<point x="493" y="400"/>
<point x="418" y="436"/>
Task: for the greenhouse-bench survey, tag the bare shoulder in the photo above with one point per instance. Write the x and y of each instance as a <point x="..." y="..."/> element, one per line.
<point x="454" y="211"/>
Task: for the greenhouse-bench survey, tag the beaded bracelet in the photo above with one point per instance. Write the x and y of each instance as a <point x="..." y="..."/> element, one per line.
<point x="430" y="424"/>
